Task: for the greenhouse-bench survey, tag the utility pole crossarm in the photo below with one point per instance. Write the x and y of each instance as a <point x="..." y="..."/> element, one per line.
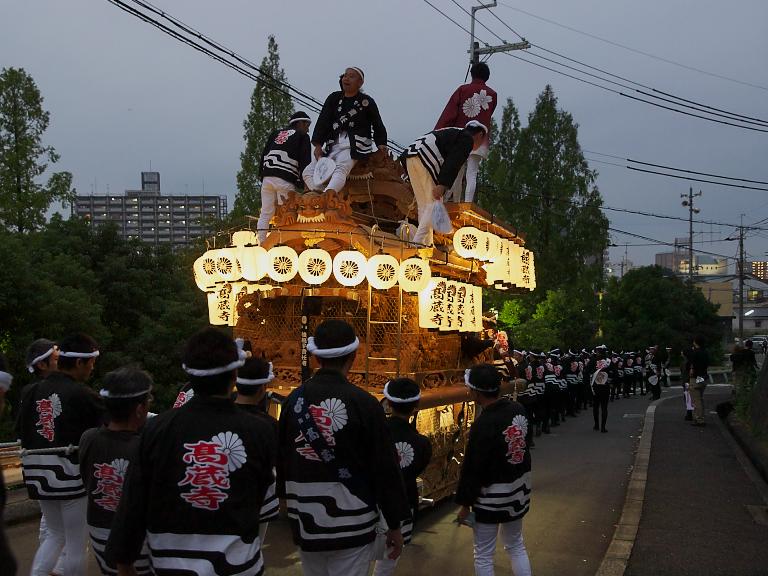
<point x="524" y="45"/>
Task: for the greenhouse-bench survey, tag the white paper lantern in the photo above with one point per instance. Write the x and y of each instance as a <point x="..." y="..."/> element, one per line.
<point x="315" y="266"/>
<point x="253" y="262"/>
<point x="468" y="241"/>
<point x="282" y="263"/>
<point x="450" y="321"/>
<point x="496" y="245"/>
<point x="432" y="304"/>
<point x="516" y="265"/>
<point x="226" y="264"/>
<point x="382" y="271"/>
<point x="349" y="267"/>
<point x="206" y="273"/>
<point x="244" y="238"/>
<point x="414" y="274"/>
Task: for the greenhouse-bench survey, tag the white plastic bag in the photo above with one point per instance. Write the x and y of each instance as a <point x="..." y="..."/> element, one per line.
<point x="441" y="222"/>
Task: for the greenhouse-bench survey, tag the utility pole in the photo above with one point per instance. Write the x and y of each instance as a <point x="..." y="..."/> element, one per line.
<point x="474" y="47"/>
<point x="691" y="211"/>
<point x="741" y="279"/>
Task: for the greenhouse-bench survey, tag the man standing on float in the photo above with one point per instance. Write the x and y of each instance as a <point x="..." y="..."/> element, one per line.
<point x="473" y="101"/>
<point x="285" y="156"/>
<point x="343" y="130"/>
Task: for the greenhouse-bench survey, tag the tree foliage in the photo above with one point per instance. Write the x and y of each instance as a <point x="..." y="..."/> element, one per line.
<point x="23" y="156"/>
<point x="537" y="179"/>
<point x="271" y="107"/>
<point x="139" y="302"/>
<point x="650" y="306"/>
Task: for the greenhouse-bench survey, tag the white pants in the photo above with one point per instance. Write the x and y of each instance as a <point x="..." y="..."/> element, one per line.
<point x="66" y="525"/>
<point x="58" y="570"/>
<point x="422" y="184"/>
<point x="485" y="546"/>
<point x="470" y="169"/>
<point x="274" y="191"/>
<point x="340" y="153"/>
<point x="347" y="562"/>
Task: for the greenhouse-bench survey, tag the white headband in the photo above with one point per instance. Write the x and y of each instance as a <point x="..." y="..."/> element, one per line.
<point x="397" y="400"/>
<point x="331" y="352"/>
<point x="107" y="394"/>
<point x="31" y="365"/>
<point x="476" y="124"/>
<point x="242" y="356"/>
<point x="5" y="381"/>
<point x="258" y="381"/>
<point x="359" y="71"/>
<point x="299" y="119"/>
<point x="93" y="354"/>
<point x="470" y="385"/>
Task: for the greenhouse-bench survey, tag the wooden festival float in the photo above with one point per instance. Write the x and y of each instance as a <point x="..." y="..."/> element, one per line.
<point x="343" y="256"/>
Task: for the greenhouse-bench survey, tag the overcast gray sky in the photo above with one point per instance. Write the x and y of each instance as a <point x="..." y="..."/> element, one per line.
<point x="122" y="94"/>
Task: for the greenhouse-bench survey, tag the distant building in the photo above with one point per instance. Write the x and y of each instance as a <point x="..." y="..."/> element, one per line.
<point x="759" y="269"/>
<point x="149" y="216"/>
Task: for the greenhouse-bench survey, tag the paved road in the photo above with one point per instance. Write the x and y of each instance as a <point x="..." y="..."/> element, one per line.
<point x="696" y="518"/>
<point x="579" y="483"/>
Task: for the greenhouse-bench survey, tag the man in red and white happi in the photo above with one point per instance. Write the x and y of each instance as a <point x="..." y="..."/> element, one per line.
<point x="200" y="478"/>
<point x="53" y="414"/>
<point x="337" y="465"/>
<point x="495" y="480"/>
<point x="473" y="101"/>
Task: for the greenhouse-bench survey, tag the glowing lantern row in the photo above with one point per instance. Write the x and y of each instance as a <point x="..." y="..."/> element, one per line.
<point x="514" y="267"/>
<point x="447" y="305"/>
<point x="472" y="243"/>
<point x="314" y="266"/>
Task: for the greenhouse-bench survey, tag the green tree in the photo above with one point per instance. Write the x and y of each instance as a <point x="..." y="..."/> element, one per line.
<point x="271" y="107"/>
<point x="541" y="183"/>
<point x="650" y="306"/>
<point x="23" y="157"/>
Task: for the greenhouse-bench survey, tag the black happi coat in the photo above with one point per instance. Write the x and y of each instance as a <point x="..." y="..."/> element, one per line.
<point x="363" y="118"/>
<point x="54" y="413"/>
<point x="105" y="458"/>
<point x="286" y="153"/>
<point x="271" y="507"/>
<point x="443" y="152"/>
<point x="196" y="491"/>
<point x="414" y="453"/>
<point x="324" y="513"/>
<point x="496" y="473"/>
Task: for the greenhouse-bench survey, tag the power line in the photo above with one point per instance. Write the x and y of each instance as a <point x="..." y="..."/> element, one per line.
<point x="635" y="50"/>
<point x="241" y="65"/>
<point x="676" y="100"/>
<point x="449" y="18"/>
<point x="696" y="179"/>
<point x="697" y="107"/>
<point x="668" y="167"/>
<point x="661" y="242"/>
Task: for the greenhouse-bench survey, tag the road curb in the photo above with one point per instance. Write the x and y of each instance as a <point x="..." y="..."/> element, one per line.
<point x="620" y="549"/>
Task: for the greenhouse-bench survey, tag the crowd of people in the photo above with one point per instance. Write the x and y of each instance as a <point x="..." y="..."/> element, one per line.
<point x="441" y="166"/>
<point x="192" y="490"/>
<point x="560" y="384"/>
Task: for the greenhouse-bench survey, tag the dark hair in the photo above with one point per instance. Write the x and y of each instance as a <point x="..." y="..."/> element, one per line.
<point x="409" y="387"/>
<point x="38" y="348"/>
<point x="698" y="340"/>
<point x="334" y="334"/>
<point x="748" y="344"/>
<point x="78" y="342"/>
<point x="253" y="369"/>
<point x="126" y="380"/>
<point x="480" y="71"/>
<point x="473" y="130"/>
<point x="210" y="348"/>
<point x="486" y="376"/>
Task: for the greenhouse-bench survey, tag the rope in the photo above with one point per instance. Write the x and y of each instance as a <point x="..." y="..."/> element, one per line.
<point x="367" y="176"/>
